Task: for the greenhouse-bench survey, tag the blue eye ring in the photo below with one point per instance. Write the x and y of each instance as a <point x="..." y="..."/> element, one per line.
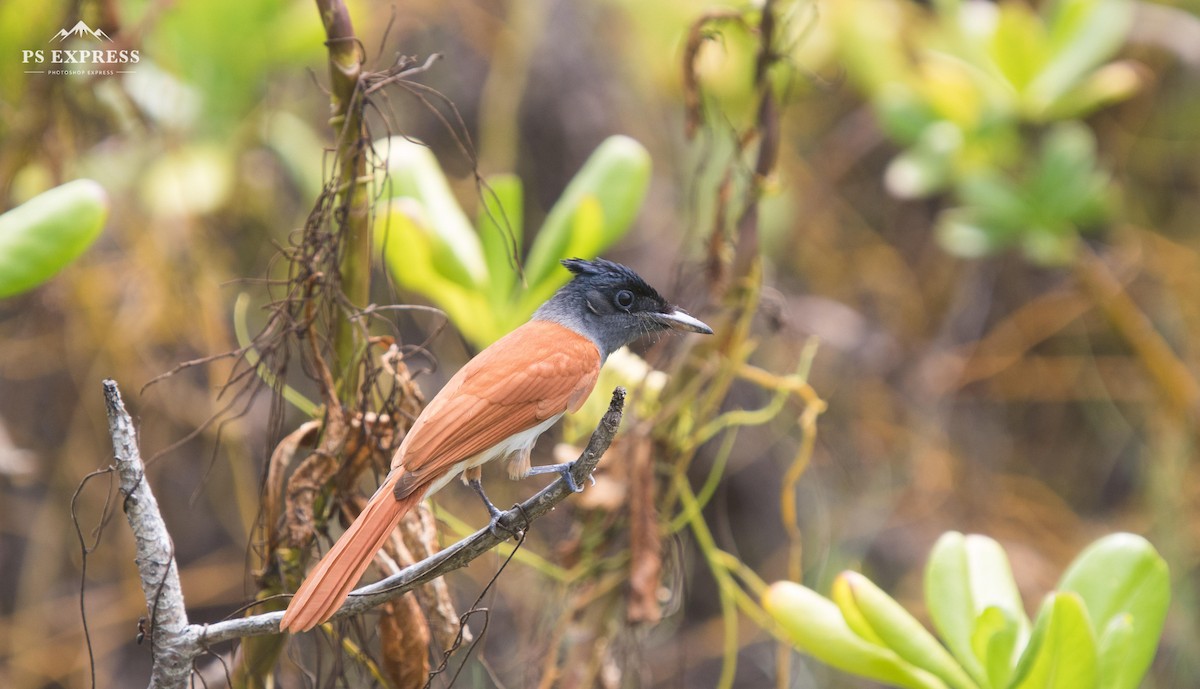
<point x="624" y="299"/>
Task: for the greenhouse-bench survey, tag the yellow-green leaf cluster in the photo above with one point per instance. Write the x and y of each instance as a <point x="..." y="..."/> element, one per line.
<point x="1098" y="630"/>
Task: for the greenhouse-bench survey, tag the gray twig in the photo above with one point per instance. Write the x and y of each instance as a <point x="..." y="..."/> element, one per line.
<point x="171" y="637"/>
<point x="176" y="644"/>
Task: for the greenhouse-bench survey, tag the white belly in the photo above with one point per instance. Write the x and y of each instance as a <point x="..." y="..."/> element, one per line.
<point x="518" y="442"/>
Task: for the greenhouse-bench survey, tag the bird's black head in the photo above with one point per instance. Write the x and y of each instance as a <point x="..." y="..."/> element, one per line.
<point x="613" y="306"/>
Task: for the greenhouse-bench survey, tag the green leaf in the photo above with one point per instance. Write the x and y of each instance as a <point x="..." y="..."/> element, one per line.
<point x="1062" y="651"/>
<point x="996" y="203"/>
<point x="501" y="223"/>
<point x="227" y="50"/>
<point x="1065" y="176"/>
<point x="1066" y="186"/>
<point x="1019" y="46"/>
<point x="44" y="234"/>
<point x="454" y="247"/>
<point x="1118" y="649"/>
<point x="994" y="641"/>
<point x="878" y="618"/>
<point x="586" y="239"/>
<point x="925" y="167"/>
<point x="616" y="176"/>
<point x="1109" y="84"/>
<point x="816" y="627"/>
<point x="1083" y="34"/>
<point x="408" y="245"/>
<point x="843" y="596"/>
<point x="587" y="228"/>
<point x="965" y="576"/>
<point x="960" y="233"/>
<point x="902" y="113"/>
<point x="956" y="89"/>
<point x="1123" y="582"/>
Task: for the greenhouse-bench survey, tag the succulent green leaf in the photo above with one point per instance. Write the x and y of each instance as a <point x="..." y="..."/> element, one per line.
<point x="616" y="177"/>
<point x="1066" y="184"/>
<point x="501" y="223"/>
<point x="1123" y="582"/>
<point x="1119" y="653"/>
<point x="950" y="598"/>
<point x="902" y="113"/>
<point x="994" y="641"/>
<point x="587" y="228"/>
<point x="816" y="626"/>
<point x="965" y="576"/>
<point x="1062" y="650"/>
<point x="454" y="248"/>
<point x="960" y="233"/>
<point x="44" y="234"/>
<point x="998" y="205"/>
<point x="877" y="617"/>
<point x="1019" y="46"/>
<point x="585" y="240"/>
<point x="1109" y="84"/>
<point x="843" y="596"/>
<point x="957" y="90"/>
<point x="925" y="168"/>
<point x="1083" y="34"/>
<point x="408" y="245"/>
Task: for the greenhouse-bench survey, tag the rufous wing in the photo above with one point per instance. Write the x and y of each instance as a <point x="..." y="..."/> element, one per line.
<point x="536" y="372"/>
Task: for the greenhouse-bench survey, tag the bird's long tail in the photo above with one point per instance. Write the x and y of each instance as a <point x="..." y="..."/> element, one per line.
<point x="330" y="582"/>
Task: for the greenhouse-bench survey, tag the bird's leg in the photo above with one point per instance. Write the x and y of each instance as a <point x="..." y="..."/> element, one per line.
<point x="477" y="485"/>
<point x="564" y="470"/>
<point x="497" y="526"/>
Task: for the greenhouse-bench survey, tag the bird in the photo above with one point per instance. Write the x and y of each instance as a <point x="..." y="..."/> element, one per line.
<point x="495" y="407"/>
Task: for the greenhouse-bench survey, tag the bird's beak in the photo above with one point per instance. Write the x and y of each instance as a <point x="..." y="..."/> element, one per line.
<point x="680" y="320"/>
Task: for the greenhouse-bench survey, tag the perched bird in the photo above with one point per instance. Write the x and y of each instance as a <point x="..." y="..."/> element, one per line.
<point x="495" y="407"/>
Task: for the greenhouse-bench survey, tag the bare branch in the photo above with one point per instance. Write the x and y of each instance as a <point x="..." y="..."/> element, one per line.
<point x="176" y="643"/>
<point x="171" y="638"/>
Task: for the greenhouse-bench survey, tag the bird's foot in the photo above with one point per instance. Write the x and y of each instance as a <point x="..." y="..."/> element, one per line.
<point x="563" y="470"/>
<point x="500" y="525"/>
<point x="503" y="526"/>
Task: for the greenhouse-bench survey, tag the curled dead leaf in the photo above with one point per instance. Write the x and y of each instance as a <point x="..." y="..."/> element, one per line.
<point x="645" y="539"/>
<point x="404" y="643"/>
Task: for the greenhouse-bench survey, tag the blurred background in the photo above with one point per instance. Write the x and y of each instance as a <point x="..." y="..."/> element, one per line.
<point x="981" y="216"/>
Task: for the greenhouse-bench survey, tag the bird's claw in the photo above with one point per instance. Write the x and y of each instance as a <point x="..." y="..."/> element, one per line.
<point x="570" y="480"/>
<point x="497" y="526"/>
<point x="563" y="470"/>
<point x="501" y="528"/>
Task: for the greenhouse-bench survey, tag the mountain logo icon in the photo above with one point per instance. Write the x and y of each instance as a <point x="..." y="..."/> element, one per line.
<point x="80" y="29"/>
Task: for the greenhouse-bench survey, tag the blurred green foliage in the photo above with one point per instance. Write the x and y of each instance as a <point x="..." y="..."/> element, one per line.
<point x="41" y="236"/>
<point x="960" y="85"/>
<point x="1098" y="630"/>
<point x="221" y="52"/>
<point x="430" y="246"/>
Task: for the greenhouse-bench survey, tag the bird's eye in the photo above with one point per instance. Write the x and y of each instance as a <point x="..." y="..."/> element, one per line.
<point x="624" y="298"/>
